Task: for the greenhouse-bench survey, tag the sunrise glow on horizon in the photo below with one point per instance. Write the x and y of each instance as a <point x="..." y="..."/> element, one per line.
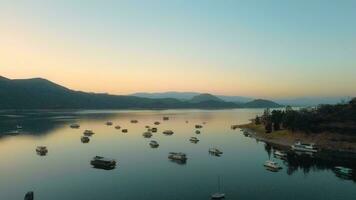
<point x="245" y="48"/>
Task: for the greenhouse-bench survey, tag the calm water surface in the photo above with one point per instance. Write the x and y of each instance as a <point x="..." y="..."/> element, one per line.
<point x="146" y="173"/>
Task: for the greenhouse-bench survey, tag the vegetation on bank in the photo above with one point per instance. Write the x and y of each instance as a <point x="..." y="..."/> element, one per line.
<point x="340" y="118"/>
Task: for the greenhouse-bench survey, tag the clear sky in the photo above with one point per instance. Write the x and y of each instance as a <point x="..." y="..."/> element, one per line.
<point x="260" y="48"/>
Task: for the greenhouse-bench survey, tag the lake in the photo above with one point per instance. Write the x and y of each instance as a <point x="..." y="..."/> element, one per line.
<point x="146" y="173"/>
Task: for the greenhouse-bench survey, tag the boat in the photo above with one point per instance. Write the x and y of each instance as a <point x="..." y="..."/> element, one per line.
<point x="88" y="133"/>
<point x="198" y="126"/>
<point x="343" y="171"/>
<point x="147" y="134"/>
<point x="157" y="123"/>
<point x="154" y="144"/>
<point x="85" y="139"/>
<point x="134" y="121"/>
<point x="271" y="165"/>
<point x="215" y="151"/>
<point x="117" y="127"/>
<point x="147" y="126"/>
<point x="41" y="150"/>
<point x="165" y="118"/>
<point x="197" y="132"/>
<point x="18" y="127"/>
<point x="74" y="125"/>
<point x="168" y="132"/>
<point x="29" y="196"/>
<point x="280" y="154"/>
<point x="218" y="195"/>
<point x="298" y="146"/>
<point x="103" y="163"/>
<point x="246" y="133"/>
<point x="194" y="139"/>
<point x="233" y="127"/>
<point x="178" y="156"/>
<point x="109" y="123"/>
<point x="124" y="130"/>
<point x="154" y="130"/>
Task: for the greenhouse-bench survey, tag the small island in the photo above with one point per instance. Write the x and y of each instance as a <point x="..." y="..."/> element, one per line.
<point x="330" y="127"/>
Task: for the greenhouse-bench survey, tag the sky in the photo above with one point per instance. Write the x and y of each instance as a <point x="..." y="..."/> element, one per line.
<point x="256" y="48"/>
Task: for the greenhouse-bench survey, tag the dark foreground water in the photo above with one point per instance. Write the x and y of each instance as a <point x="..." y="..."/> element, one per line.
<point x="146" y="173"/>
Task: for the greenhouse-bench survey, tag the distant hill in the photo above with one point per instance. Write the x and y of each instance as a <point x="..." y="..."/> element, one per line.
<point x="190" y="95"/>
<point x="38" y="93"/>
<point x="261" y="103"/>
<point x="204" y="97"/>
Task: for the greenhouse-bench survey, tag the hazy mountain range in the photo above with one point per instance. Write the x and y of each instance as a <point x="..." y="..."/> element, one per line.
<point x="302" y="101"/>
<point x="38" y="93"/>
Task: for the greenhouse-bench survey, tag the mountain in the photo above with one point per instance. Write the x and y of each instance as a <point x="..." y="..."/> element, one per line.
<point x="313" y="101"/>
<point x="38" y="93"/>
<point x="204" y="97"/>
<point x="261" y="103"/>
<point x="189" y="95"/>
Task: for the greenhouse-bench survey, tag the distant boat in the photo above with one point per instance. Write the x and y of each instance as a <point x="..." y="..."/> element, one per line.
<point x="280" y="154"/>
<point x="271" y="165"/>
<point x="154" y="130"/>
<point x="134" y="121"/>
<point x="41" y="150"/>
<point x="154" y="144"/>
<point x="298" y="146"/>
<point x="88" y="133"/>
<point x="168" y="132"/>
<point x="343" y="171"/>
<point x="103" y="163"/>
<point x="117" y="127"/>
<point x="18" y="127"/>
<point x="177" y="156"/>
<point x="215" y="151"/>
<point x="74" y="125"/>
<point x="147" y="134"/>
<point x="219" y="194"/>
<point x="84" y="139"/>
<point x="109" y="123"/>
<point x="157" y="123"/>
<point x="194" y="139"/>
<point x="124" y="130"/>
<point x="198" y="126"/>
<point x="29" y="196"/>
<point x="165" y="118"/>
<point x="197" y="132"/>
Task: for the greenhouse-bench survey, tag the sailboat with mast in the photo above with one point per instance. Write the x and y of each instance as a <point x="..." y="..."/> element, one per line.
<point x="218" y="194"/>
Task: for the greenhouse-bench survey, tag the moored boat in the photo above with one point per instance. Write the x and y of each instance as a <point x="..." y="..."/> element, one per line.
<point x="219" y="194"/>
<point x="280" y="154"/>
<point x="165" y="118"/>
<point x="343" y="171"/>
<point x="157" y="123"/>
<point x="41" y="150"/>
<point x="154" y="129"/>
<point x="29" y="196"/>
<point x="147" y="134"/>
<point x="108" y="123"/>
<point x="84" y="139"/>
<point x="154" y="144"/>
<point x="179" y="156"/>
<point x="215" y="151"/>
<point x="74" y="125"/>
<point x="124" y="130"/>
<point x="197" y="132"/>
<point x="88" y="133"/>
<point x="134" y="121"/>
<point x="271" y="165"/>
<point x="117" y="127"/>
<point x="168" y="132"/>
<point x="194" y="139"/>
<point x="103" y="163"/>
<point x="298" y="146"/>
<point x="198" y="126"/>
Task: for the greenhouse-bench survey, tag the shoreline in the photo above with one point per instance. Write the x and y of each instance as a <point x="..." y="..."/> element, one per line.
<point x="327" y="142"/>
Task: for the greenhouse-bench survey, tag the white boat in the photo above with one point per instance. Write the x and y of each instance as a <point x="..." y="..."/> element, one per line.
<point x="194" y="139"/>
<point x="218" y="195"/>
<point x="147" y="134"/>
<point x="168" y="132"/>
<point x="343" y="171"/>
<point x="42" y="150"/>
<point x="269" y="164"/>
<point x="154" y="144"/>
<point x="280" y="154"/>
<point x="18" y="127"/>
<point x="298" y="146"/>
<point x="84" y="139"/>
<point x="88" y="133"/>
<point x="74" y="125"/>
<point x="177" y="156"/>
<point x="215" y="151"/>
